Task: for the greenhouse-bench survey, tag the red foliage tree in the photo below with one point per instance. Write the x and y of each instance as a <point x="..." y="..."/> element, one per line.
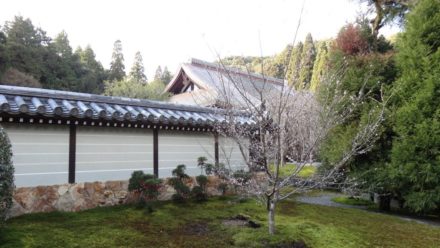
<point x="351" y="41"/>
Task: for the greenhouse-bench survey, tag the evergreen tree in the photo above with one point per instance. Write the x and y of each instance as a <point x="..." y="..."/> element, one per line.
<point x="276" y="67"/>
<point x="6" y="176"/>
<point x="158" y="74"/>
<point x="26" y="47"/>
<point x="386" y="12"/>
<point x="30" y="58"/>
<point x="117" y="67"/>
<point x="416" y="149"/>
<point x="61" y="45"/>
<point x="137" y="73"/>
<point x="92" y="74"/>
<point x="295" y="65"/>
<point x="307" y="60"/>
<point x="60" y="61"/>
<point x="166" y="76"/>
<point x="4" y="60"/>
<point x="359" y="74"/>
<point x="320" y="65"/>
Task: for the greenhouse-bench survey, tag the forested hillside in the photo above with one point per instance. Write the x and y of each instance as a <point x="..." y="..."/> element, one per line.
<point x="301" y="64"/>
<point x="29" y="57"/>
<point x="304" y="63"/>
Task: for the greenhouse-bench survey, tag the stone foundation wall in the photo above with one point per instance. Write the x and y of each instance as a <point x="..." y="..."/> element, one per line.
<point x="81" y="196"/>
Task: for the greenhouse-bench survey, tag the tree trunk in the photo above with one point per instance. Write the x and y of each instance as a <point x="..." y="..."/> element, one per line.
<point x="271" y="217"/>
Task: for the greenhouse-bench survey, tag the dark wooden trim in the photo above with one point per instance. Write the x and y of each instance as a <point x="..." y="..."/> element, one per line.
<point x="216" y="156"/>
<point x="25" y="119"/>
<point x="156" y="152"/>
<point x="72" y="153"/>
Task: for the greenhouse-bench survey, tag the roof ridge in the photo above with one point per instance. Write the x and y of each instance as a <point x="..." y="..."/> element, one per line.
<point x="69" y="95"/>
<point x="198" y="62"/>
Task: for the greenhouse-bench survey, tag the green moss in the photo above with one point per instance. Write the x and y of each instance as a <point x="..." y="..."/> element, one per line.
<point x="352" y="201"/>
<point x="288" y="169"/>
<point x="200" y="225"/>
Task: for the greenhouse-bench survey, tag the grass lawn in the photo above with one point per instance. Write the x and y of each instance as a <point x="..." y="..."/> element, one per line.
<point x="201" y="225"/>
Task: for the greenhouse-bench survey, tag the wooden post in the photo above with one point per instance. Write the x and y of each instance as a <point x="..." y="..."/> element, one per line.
<point x="72" y="153"/>
<point x="216" y="156"/>
<point x="156" y="152"/>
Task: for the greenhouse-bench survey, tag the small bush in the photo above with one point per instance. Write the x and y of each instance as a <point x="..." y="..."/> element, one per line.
<point x="6" y="175"/>
<point x="183" y="192"/>
<point x="136" y="180"/>
<point x="201" y="162"/>
<point x="146" y="185"/>
<point x="150" y="188"/>
<point x="202" y="181"/>
<point x="179" y="172"/>
<point x="241" y="177"/>
<point x="199" y="192"/>
<point x="217" y="169"/>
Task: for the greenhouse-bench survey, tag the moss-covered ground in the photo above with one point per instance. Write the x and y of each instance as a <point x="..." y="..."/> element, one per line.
<point x="288" y="169"/>
<point x="201" y="225"/>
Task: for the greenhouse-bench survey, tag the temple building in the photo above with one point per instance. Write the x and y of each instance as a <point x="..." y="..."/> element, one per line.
<point x="208" y="84"/>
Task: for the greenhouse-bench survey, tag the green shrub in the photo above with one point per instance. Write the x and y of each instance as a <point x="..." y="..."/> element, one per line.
<point x="136" y="179"/>
<point x="146" y="185"/>
<point x="6" y="175"/>
<point x="179" y="172"/>
<point x="199" y="192"/>
<point x="183" y="192"/>
<point x="241" y="177"/>
<point x="201" y="162"/>
<point x="150" y="188"/>
<point x="202" y="181"/>
<point x="217" y="169"/>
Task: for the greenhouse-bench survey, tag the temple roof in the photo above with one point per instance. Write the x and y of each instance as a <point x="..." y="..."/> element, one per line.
<point x="211" y="78"/>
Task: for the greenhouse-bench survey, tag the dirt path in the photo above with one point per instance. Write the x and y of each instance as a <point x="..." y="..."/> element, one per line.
<point x="325" y="199"/>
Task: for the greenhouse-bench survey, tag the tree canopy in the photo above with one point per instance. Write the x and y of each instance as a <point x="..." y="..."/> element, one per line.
<point x="117" y="67"/>
<point x="28" y="57"/>
<point x="416" y="147"/>
<point x="130" y="88"/>
<point x="137" y="73"/>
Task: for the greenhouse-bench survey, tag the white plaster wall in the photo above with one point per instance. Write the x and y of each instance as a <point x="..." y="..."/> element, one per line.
<point x="230" y="154"/>
<point x="40" y="153"/>
<point x="177" y="147"/>
<point x="111" y="153"/>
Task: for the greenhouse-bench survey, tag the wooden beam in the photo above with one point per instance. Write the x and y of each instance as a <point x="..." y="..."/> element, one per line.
<point x="216" y="156"/>
<point x="156" y="152"/>
<point x="72" y="153"/>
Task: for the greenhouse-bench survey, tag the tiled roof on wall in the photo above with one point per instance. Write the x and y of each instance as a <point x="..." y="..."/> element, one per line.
<point x="63" y="104"/>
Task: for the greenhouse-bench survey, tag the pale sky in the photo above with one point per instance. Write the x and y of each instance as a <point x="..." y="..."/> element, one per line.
<point x="170" y="32"/>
